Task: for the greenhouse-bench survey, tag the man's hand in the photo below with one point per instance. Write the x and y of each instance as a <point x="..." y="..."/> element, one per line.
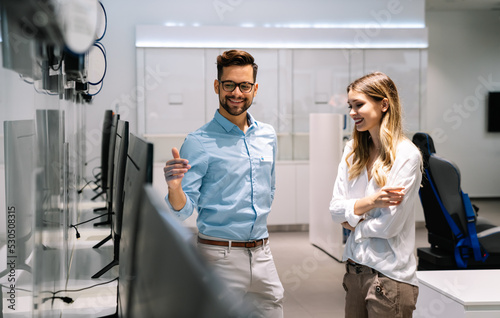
<point x="174" y="171"/>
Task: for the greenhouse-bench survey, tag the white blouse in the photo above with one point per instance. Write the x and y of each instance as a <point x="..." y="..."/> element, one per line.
<point x="385" y="240"/>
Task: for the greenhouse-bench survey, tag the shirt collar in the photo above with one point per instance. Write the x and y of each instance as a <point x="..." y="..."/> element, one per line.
<point x="227" y="125"/>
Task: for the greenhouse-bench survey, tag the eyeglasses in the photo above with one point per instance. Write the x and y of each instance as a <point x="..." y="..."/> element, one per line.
<point x="229" y="86"/>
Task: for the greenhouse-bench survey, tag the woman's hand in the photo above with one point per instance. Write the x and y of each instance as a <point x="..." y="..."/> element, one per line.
<point x="348" y="226"/>
<point x="386" y="197"/>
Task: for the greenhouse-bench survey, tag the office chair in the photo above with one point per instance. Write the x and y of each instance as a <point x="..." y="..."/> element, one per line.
<point x="458" y="238"/>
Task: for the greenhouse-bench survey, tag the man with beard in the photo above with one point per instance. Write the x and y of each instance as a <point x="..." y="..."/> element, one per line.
<point x="225" y="170"/>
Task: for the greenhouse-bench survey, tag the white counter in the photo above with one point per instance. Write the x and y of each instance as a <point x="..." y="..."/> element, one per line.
<point x="459" y="293"/>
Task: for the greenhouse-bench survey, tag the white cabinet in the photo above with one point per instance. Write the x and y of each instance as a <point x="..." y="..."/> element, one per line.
<point x="291" y="199"/>
<point x="319" y="86"/>
<point x="320" y="78"/>
<point x="177" y="97"/>
<point x="174" y="100"/>
<point x="403" y="66"/>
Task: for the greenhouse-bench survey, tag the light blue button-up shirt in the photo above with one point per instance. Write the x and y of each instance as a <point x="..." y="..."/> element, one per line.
<point x="231" y="181"/>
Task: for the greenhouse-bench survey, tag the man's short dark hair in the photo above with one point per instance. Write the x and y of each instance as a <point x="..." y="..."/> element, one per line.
<point x="235" y="57"/>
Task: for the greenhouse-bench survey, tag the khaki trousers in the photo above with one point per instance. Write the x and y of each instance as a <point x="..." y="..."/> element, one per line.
<point x="369" y="294"/>
<point x="251" y="273"/>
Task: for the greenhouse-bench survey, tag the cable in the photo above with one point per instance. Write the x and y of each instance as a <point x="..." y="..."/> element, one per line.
<point x="77" y="233"/>
<point x="21" y="76"/>
<point x="64" y="290"/>
<point x="67" y="300"/>
<point x="97" y="176"/>
<point x="70" y="300"/>
<point x="86" y="184"/>
<point x="92" y="219"/>
<point x="101" y="48"/>
<point x="105" y="22"/>
<point x="88" y="94"/>
<point x="93" y="170"/>
<point x="80" y="289"/>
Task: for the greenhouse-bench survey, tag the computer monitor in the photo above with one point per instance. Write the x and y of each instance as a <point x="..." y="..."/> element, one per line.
<point x="106" y="133"/>
<point x="109" y="170"/>
<point x="138" y="172"/>
<point x="171" y="279"/>
<point x="116" y="208"/>
<point x="111" y="161"/>
<point x="493" y="112"/>
<point x="121" y="149"/>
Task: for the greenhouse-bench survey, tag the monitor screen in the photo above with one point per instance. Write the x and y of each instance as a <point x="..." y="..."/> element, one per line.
<point x="106" y="133"/>
<point x="494" y="112"/>
<point x="121" y="147"/>
<point x="171" y="278"/>
<point x="138" y="171"/>
<point x="111" y="163"/>
<point x="115" y="192"/>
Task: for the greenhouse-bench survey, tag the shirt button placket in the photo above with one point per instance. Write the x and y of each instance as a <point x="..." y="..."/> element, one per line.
<point x="252" y="172"/>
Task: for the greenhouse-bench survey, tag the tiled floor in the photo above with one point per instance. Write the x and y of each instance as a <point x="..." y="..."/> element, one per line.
<point x="313" y="280"/>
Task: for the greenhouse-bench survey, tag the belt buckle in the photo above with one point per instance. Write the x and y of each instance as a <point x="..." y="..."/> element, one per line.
<point x="359" y="269"/>
<point x="250" y="244"/>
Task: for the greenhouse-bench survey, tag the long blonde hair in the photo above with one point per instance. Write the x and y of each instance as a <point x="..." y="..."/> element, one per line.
<point x="377" y="86"/>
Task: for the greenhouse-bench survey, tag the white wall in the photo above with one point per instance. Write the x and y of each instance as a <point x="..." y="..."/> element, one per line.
<point x="120" y="82"/>
<point x="463" y="65"/>
<point x="462" y="57"/>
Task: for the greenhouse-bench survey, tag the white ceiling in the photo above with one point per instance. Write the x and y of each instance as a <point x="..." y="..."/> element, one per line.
<point x="438" y="5"/>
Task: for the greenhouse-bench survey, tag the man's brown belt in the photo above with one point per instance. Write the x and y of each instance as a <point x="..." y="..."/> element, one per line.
<point x="249" y="244"/>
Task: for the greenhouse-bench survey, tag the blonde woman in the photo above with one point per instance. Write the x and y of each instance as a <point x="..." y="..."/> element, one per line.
<point x="375" y="196"/>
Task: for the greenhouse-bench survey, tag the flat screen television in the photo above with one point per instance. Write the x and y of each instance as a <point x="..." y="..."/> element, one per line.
<point x="171" y="279"/>
<point x="138" y="172"/>
<point x="116" y="208"/>
<point x="494" y="112"/>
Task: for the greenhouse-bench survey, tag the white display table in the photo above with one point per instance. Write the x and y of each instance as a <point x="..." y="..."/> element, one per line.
<point x="459" y="293"/>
